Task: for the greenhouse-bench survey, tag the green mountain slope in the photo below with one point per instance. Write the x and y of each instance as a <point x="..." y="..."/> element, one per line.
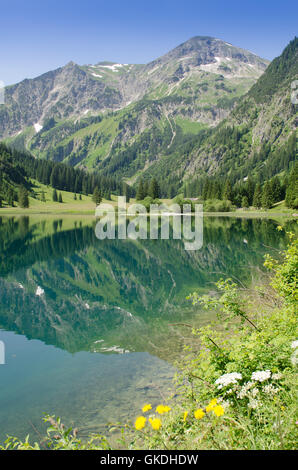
<point x="259" y="136"/>
<point x="88" y="115"/>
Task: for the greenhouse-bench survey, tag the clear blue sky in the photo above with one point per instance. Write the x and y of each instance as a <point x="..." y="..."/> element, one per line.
<point x="41" y="35"/>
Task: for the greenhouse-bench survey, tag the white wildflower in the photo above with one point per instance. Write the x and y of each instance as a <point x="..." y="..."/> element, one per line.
<point x="269" y="389"/>
<point x="276" y="376"/>
<point x="228" y="379"/>
<point x="294" y="344"/>
<point x="261" y="375"/>
<point x="253" y="403"/>
<point x="244" y="390"/>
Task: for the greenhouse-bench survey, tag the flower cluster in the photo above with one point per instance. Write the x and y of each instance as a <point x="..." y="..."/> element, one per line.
<point x="213" y="406"/>
<point x="228" y="379"/>
<point x="155" y="422"/>
<point x="261" y="375"/>
<point x="161" y="409"/>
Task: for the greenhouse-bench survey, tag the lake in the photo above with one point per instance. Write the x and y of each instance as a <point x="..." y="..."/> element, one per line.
<point x="88" y="325"/>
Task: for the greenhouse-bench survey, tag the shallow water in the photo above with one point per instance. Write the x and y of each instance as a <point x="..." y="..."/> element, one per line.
<point x="88" y="325"/>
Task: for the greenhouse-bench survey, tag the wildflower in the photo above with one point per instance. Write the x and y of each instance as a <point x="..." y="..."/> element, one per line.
<point x="140" y="422"/>
<point x="279" y="228"/>
<point x="244" y="390"/>
<point x="218" y="410"/>
<point x="294" y="344"/>
<point x="253" y="403"/>
<point x="211" y="405"/>
<point x="276" y="376"/>
<point x="146" y="408"/>
<point x="269" y="389"/>
<point x="160" y="409"/>
<point x="185" y="415"/>
<point x="261" y="375"/>
<point x="199" y="413"/>
<point x="155" y="423"/>
<point x="228" y="379"/>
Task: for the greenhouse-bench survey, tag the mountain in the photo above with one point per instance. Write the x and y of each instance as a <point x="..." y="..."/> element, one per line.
<point x="120" y="118"/>
<point x="259" y="136"/>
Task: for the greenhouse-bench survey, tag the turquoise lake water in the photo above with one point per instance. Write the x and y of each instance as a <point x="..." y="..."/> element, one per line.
<point x="87" y="325"/>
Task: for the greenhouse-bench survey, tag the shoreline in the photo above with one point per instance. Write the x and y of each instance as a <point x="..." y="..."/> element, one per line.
<point x="27" y="212"/>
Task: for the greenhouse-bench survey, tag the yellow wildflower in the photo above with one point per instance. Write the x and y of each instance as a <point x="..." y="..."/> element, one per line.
<point x="155" y="423"/>
<point x="160" y="409"/>
<point x="185" y="415"/>
<point x="140" y="422"/>
<point x="199" y="413"/>
<point x="211" y="405"/>
<point x="218" y="410"/>
<point x="146" y="408"/>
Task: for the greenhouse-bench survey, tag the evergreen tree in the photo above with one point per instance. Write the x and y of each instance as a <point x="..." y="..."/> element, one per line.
<point x="60" y="198"/>
<point x="250" y="189"/>
<point x="75" y="196"/>
<point x="23" y="197"/>
<point x="227" y="191"/>
<point x="146" y="188"/>
<point x="154" y="190"/>
<point x="267" y="196"/>
<point x="140" y="191"/>
<point x="292" y="189"/>
<point x="10" y="197"/>
<point x="245" y="202"/>
<point x="276" y="189"/>
<point x="257" y="199"/>
<point x="96" y="198"/>
<point x="43" y="196"/>
<point x="55" y="196"/>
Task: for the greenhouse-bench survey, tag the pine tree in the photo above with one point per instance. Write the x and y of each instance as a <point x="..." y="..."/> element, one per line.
<point x="292" y="189"/>
<point x="23" y="198"/>
<point x="96" y="198"/>
<point x="60" y="198"/>
<point x="146" y="188"/>
<point x="55" y="196"/>
<point x="140" y="191"/>
<point x="43" y="196"/>
<point x="267" y="196"/>
<point x="257" y="199"/>
<point x="75" y="196"/>
<point x="228" y="192"/>
<point x="154" y="190"/>
<point x="10" y="197"/>
<point x="245" y="202"/>
<point x="276" y="189"/>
